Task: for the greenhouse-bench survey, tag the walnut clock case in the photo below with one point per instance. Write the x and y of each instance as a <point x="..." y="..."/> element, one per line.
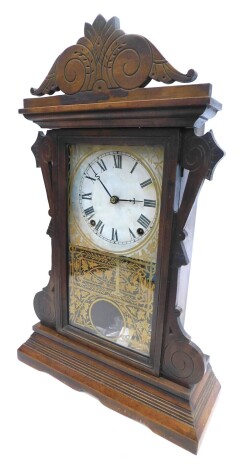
<point x="122" y="166"/>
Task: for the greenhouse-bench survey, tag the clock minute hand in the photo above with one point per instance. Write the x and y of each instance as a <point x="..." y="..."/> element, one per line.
<point x="99" y="179"/>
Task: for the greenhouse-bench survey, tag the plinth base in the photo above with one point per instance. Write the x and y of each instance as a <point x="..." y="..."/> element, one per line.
<point x="175" y="412"/>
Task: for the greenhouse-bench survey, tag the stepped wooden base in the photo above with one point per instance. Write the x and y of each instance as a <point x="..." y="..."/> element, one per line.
<point x="170" y="410"/>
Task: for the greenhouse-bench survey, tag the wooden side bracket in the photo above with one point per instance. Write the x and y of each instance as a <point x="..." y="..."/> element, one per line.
<point x="44" y="150"/>
<point x="183" y="361"/>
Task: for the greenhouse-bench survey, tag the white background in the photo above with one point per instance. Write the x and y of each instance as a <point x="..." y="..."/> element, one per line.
<point x="44" y="424"/>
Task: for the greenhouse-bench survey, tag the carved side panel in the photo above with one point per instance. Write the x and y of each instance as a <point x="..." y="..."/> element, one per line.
<point x="107" y="58"/>
<point x="44" y="150"/>
<point x="182" y="360"/>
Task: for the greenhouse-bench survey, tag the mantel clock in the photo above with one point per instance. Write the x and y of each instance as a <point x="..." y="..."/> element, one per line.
<point x="122" y="166"/>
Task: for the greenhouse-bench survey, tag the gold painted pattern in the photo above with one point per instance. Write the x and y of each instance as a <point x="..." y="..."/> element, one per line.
<point x="127" y="282"/>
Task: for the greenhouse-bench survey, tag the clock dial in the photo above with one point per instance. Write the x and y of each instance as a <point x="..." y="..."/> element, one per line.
<point x="114" y="205"/>
<point x="118" y="200"/>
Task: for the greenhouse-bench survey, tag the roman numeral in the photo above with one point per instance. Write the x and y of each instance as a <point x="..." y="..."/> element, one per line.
<point x="117" y="160"/>
<point x="135" y="165"/>
<point x="132" y="235"/>
<point x="102" y="164"/>
<point x="87" y="196"/>
<point x="142" y="220"/>
<point x="90" y="178"/>
<point x="89" y="211"/>
<point x="146" y="183"/>
<point x="149" y="203"/>
<point x="99" y="227"/>
<point x="114" y="235"/>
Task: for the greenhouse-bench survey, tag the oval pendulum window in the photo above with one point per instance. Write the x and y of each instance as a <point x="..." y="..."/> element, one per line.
<point x="107" y="319"/>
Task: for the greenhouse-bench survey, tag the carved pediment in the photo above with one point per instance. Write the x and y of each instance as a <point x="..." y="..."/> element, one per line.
<point x="107" y="58"/>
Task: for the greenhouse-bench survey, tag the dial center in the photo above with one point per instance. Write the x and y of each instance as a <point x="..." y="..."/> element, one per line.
<point x="114" y="199"/>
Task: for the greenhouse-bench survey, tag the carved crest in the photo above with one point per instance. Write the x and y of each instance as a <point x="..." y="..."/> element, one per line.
<point x="107" y="58"/>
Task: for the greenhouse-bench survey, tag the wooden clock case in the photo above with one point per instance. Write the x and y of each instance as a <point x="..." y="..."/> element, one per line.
<point x="105" y="102"/>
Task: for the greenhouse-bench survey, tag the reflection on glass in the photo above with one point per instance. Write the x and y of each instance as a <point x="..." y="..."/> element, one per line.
<point x="112" y="296"/>
<point x="107" y="319"/>
<point x="114" y="204"/>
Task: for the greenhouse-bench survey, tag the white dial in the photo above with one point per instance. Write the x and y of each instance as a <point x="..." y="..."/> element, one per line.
<point x="118" y="200"/>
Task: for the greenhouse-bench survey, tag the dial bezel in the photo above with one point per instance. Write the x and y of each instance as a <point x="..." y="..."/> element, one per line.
<point x="100" y="216"/>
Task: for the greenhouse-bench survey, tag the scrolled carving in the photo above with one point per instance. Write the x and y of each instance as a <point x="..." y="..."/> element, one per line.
<point x="199" y="155"/>
<point x="195" y="155"/>
<point x="108" y="56"/>
<point x="128" y="62"/>
<point x="177" y="359"/>
<point x="44" y="304"/>
<point x="182" y="360"/>
<point x="75" y="69"/>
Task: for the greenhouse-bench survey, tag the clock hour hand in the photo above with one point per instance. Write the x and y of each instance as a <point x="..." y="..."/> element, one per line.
<point x="131" y="200"/>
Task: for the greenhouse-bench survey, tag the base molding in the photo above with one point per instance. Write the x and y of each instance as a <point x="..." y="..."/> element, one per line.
<point x="177" y="413"/>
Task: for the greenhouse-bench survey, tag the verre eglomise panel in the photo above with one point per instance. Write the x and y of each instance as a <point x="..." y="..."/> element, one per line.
<point x="113" y="222"/>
